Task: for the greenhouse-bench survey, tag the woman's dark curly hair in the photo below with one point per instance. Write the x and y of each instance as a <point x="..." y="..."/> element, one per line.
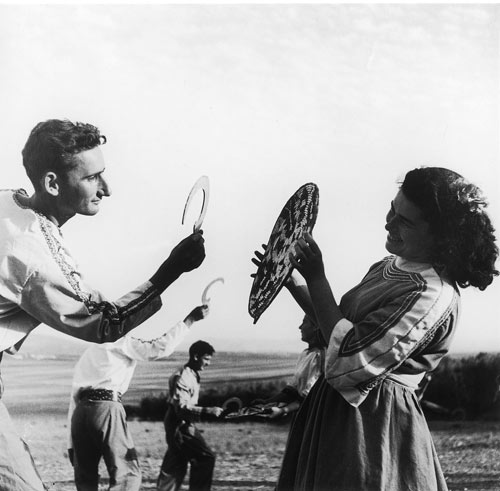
<point x="52" y="145"/>
<point x="465" y="249"/>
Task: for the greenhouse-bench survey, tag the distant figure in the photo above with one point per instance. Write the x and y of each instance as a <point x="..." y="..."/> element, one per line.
<point x="40" y="281"/>
<point x="97" y="420"/>
<point x="184" y="440"/>
<point x="307" y="371"/>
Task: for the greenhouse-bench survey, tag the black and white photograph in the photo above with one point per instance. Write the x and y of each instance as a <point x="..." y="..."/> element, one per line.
<point x="250" y="246"/>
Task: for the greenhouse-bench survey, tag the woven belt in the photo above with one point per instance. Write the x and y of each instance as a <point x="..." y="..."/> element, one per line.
<point x="100" y="395"/>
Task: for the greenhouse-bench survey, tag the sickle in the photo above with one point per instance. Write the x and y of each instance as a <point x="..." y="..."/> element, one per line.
<point x="203" y="184"/>
<point x="204" y="298"/>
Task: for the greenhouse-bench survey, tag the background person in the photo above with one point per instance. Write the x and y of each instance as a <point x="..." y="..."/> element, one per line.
<point x="97" y="419"/>
<point x="361" y="426"/>
<point x="184" y="440"/>
<point x="40" y="281"/>
<point x="308" y="368"/>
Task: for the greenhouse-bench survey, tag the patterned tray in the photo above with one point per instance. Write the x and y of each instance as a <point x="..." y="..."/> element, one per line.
<point x="249" y="412"/>
<point x="297" y="217"/>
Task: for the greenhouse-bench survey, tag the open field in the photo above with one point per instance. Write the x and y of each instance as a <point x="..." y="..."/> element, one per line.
<point x="43" y="386"/>
<point x="249" y="454"/>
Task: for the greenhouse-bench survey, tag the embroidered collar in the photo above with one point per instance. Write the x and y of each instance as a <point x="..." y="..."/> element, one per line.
<point x="410" y="266"/>
<point x="20" y="194"/>
<point x="16" y="194"/>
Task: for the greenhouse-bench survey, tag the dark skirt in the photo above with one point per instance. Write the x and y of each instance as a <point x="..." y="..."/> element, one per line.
<point x="382" y="445"/>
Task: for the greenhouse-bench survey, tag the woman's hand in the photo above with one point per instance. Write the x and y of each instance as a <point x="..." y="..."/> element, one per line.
<point x="308" y="260"/>
<point x="294" y="281"/>
<point x="258" y="259"/>
<point x="276" y="412"/>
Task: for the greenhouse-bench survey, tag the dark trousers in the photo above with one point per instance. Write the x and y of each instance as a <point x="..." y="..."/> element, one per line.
<point x="186" y="445"/>
<point x="99" y="430"/>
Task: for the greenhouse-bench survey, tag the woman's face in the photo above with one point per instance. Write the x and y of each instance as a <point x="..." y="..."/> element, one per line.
<point x="409" y="234"/>
<point x="307" y="330"/>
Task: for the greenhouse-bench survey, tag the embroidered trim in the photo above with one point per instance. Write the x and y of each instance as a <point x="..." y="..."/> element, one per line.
<point x="349" y="347"/>
<point x="109" y="310"/>
<point x="15" y="192"/>
<point x="151" y="341"/>
<point x="366" y="386"/>
<point x="116" y="315"/>
<point x="55" y="247"/>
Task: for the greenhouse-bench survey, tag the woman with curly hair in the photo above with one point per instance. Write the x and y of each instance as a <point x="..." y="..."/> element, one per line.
<point x="361" y="427"/>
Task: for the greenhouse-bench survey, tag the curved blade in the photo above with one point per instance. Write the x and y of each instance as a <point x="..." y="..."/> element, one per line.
<point x="203" y="184"/>
<point x="204" y="297"/>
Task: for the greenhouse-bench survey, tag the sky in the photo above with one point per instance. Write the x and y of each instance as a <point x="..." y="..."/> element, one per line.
<point x="261" y="99"/>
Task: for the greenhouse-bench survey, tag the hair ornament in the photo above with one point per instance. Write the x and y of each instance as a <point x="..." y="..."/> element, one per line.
<point x="470" y="196"/>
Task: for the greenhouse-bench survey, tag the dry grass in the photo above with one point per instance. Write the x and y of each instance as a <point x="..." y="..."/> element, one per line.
<point x="249" y="454"/>
<point x="469" y="453"/>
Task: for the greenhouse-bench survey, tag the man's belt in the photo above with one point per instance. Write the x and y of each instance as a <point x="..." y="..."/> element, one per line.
<point x="99" y="395"/>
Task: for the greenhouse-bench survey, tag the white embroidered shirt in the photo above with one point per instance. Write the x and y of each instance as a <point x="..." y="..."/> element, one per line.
<point x="40" y="283"/>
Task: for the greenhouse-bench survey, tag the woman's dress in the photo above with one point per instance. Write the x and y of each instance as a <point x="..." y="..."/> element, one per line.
<point x="361" y="428"/>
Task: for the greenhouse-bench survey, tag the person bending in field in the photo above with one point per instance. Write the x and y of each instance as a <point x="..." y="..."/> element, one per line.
<point x="97" y="419"/>
<point x="184" y="440"/>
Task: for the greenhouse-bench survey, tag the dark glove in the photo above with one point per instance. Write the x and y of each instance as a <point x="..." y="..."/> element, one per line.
<point x="187" y="255"/>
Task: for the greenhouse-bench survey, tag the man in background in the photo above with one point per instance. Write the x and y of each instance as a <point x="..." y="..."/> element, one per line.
<point x="184" y="440"/>
<point x="96" y="415"/>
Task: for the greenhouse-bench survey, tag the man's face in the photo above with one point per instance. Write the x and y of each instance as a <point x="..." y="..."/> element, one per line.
<point x="200" y="362"/>
<point x="83" y="187"/>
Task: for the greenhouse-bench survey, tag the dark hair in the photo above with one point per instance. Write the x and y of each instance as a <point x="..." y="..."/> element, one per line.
<point x="200" y="348"/>
<point x="317" y="341"/>
<point x="465" y="249"/>
<point x="52" y="145"/>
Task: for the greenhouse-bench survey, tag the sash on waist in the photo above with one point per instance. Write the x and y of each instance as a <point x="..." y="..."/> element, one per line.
<point x="408" y="380"/>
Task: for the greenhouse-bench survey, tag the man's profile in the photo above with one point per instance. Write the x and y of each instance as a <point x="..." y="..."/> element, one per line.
<point x="40" y="281"/>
